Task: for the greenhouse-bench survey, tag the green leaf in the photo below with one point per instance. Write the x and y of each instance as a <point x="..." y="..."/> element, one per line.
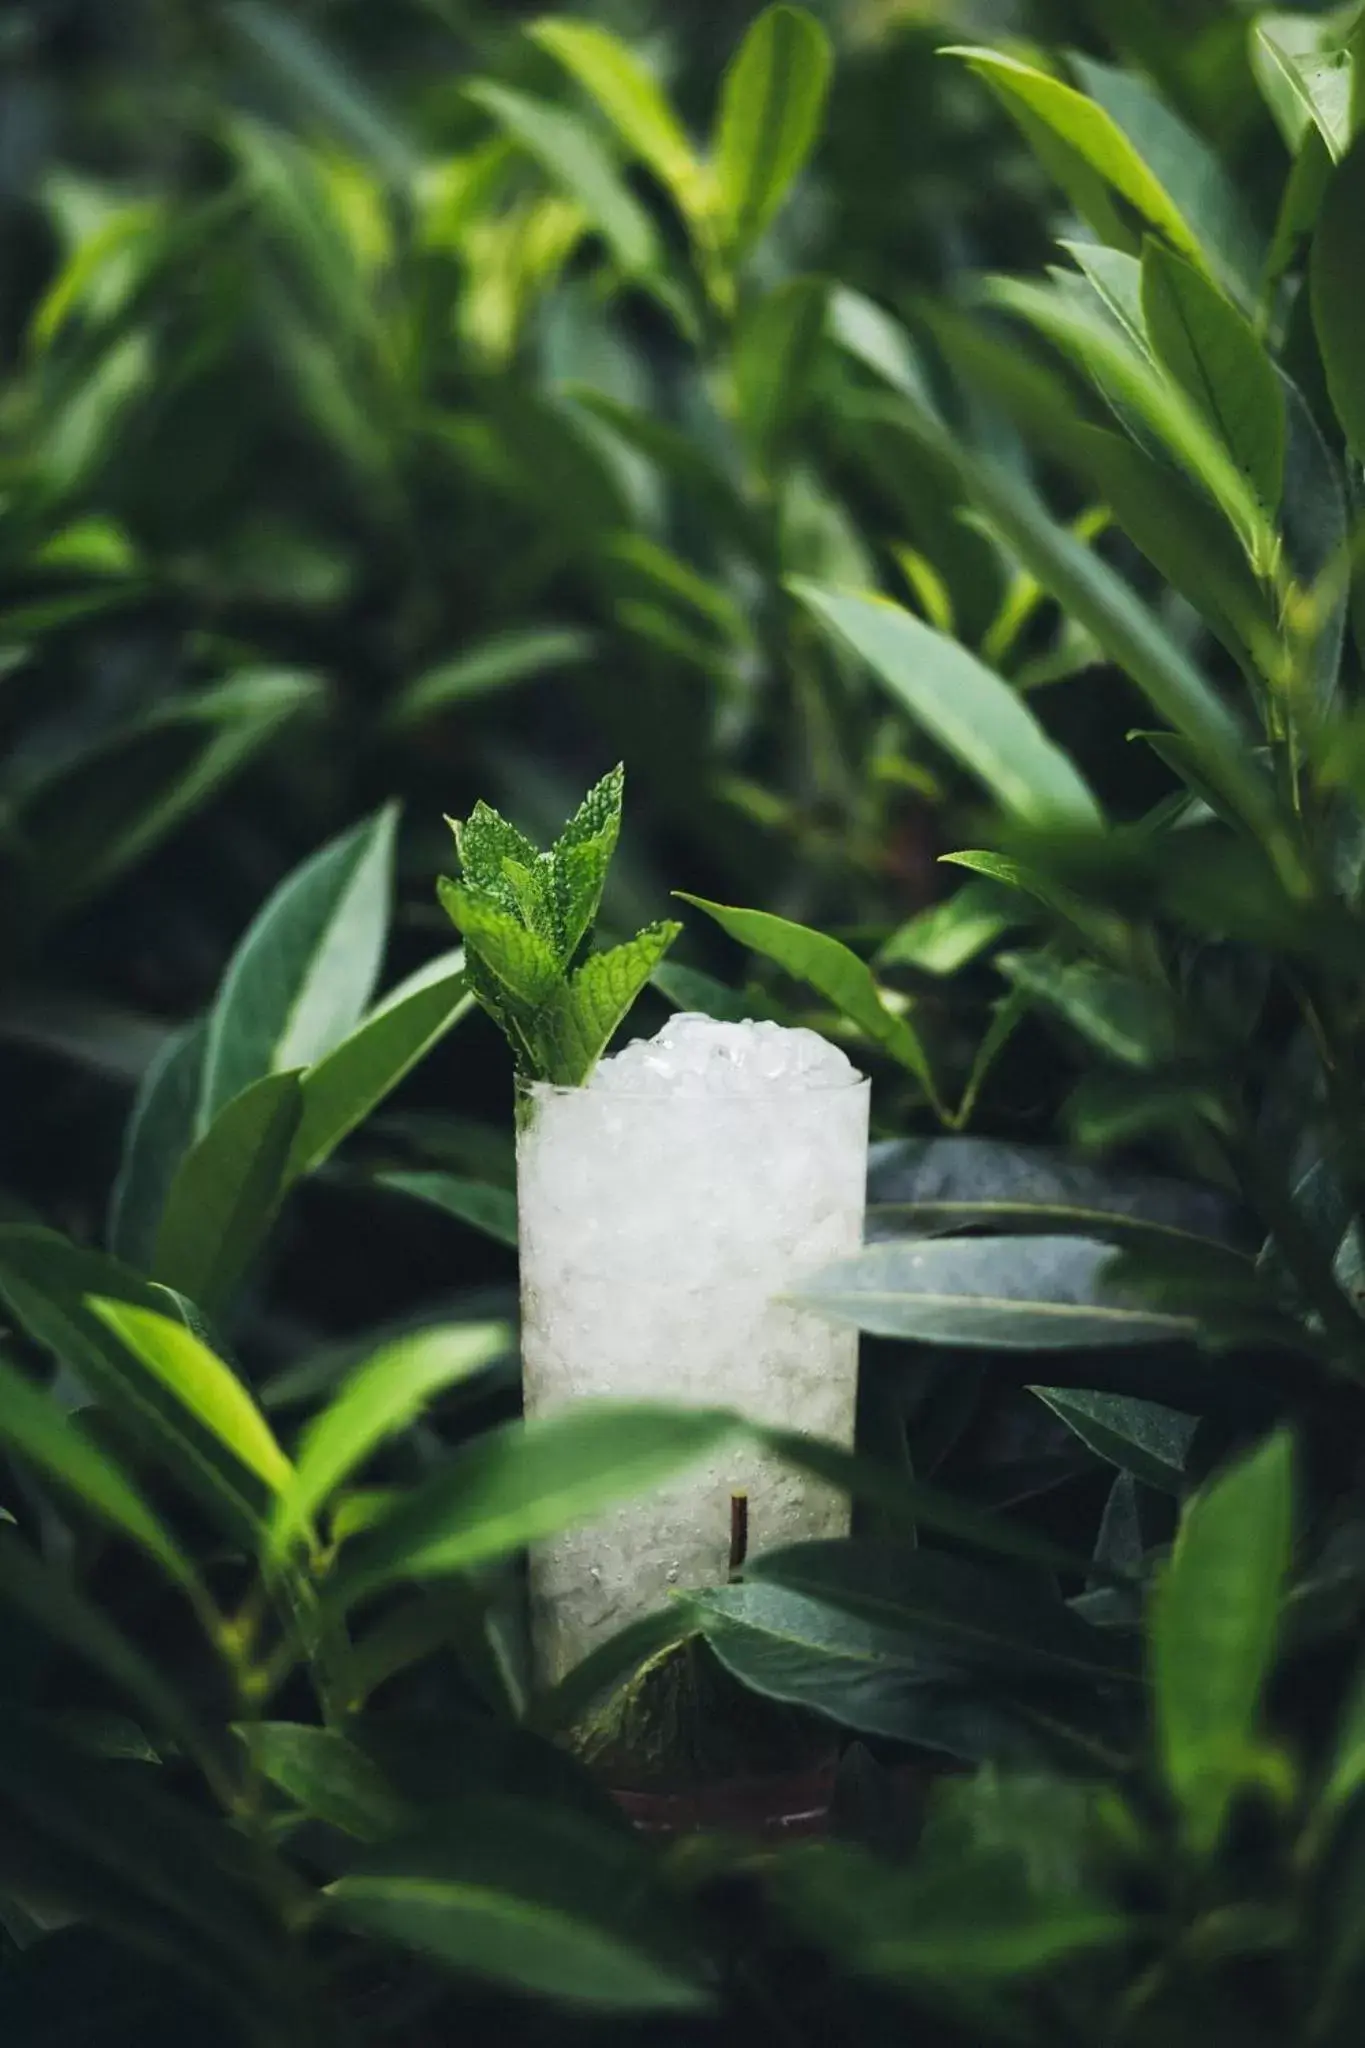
<point x="950" y="935"/>
<point x="521" y="1483"/>
<point x="868" y="333"/>
<point x="574" y="159"/>
<point x="1098" y="598"/>
<point x="574" y="1029"/>
<point x="1187" y="166"/>
<point x="49" y="1284"/>
<point x="905" y="1504"/>
<point x="1092" y="134"/>
<point x="327" y="1777"/>
<point x="32" y="1424"/>
<point x="159" y="1133"/>
<point x="970" y="1183"/>
<point x="204" y="1385"/>
<point x="1337" y="259"/>
<point x="1000" y="1293"/>
<point x="380" y="1399"/>
<point x="50" y="1600"/>
<point x="87" y="822"/>
<point x="976" y="1616"/>
<point x="1213" y="1632"/>
<point x="1127" y="1020"/>
<point x="776" y="348"/>
<point x="517" y="656"/>
<point x="967" y="708"/>
<point x="521" y="961"/>
<point x="1140" y="1437"/>
<point x="1116" y="279"/>
<point x="1303" y="68"/>
<point x="829" y="966"/>
<point x="302" y="975"/>
<point x="1129" y="380"/>
<point x="98" y="1839"/>
<point x="854" y="1671"/>
<point x="325" y="87"/>
<point x="772" y="108"/>
<point x="340" y="1091"/>
<point x="954" y="1922"/>
<point x="493" y="1210"/>
<point x="542" y="1901"/>
<point x="225" y="1193"/>
<point x="632" y="100"/>
<point x="1346" y="1774"/>
<point x="1211" y="351"/>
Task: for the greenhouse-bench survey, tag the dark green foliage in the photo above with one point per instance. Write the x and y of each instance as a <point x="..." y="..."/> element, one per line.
<point x="431" y="400"/>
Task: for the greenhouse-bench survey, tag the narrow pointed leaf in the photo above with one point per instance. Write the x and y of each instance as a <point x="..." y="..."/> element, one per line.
<point x="32" y="1424"/>
<point x="225" y="1193"/>
<point x="209" y="1389"/>
<point x="1003" y="1293"/>
<point x="381" y="1398"/>
<point x="967" y="708"/>
<point x="161" y="1131"/>
<point x="830" y="967"/>
<point x="340" y="1091"/>
<point x="1337" y="260"/>
<point x="488" y="1208"/>
<point x="544" y="1902"/>
<point x="524" y="1482"/>
<point x="772" y="106"/>
<point x="1212" y="352"/>
<point x="1140" y="1437"/>
<point x="1213" y="1632"/>
<point x="301" y="977"/>
<point x="632" y="100"/>
<point x="572" y="156"/>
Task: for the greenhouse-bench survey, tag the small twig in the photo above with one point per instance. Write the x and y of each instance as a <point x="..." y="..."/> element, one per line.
<point x="739" y="1532"/>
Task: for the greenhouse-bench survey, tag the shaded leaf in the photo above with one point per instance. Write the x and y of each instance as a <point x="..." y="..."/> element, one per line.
<point x="159" y="1134"/>
<point x="542" y="1901"/>
<point x="225" y="1193"/>
<point x="1003" y="1293"/>
<point x="57" y="1445"/>
<point x="493" y="1210"/>
<point x="525" y="1481"/>
<point x="303" y="973"/>
<point x="772" y="106"/>
<point x="1151" y="1442"/>
<point x="1213" y="1630"/>
<point x="340" y="1091"/>
<point x="382" y="1397"/>
<point x="327" y="1777"/>
<point x="517" y="656"/>
<point x="967" y="708"/>
<point x="1337" y="259"/>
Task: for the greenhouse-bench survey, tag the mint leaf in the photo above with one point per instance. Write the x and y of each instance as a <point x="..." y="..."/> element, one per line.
<point x="520" y="959"/>
<point x="576" y="1026"/>
<point x="599" y="814"/>
<point x="527" y="916"/>
<point x="485" y="842"/>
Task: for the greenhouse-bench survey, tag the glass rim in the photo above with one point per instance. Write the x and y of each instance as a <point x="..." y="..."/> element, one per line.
<point x="534" y="1090"/>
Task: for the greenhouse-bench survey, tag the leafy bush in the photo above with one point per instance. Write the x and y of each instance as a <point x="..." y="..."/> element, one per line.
<point x="544" y="384"/>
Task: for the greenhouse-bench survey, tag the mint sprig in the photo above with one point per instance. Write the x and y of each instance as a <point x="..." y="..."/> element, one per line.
<point x="527" y="921"/>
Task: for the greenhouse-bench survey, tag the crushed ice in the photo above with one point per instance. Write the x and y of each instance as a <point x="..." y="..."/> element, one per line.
<point x="697" y="1055"/>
